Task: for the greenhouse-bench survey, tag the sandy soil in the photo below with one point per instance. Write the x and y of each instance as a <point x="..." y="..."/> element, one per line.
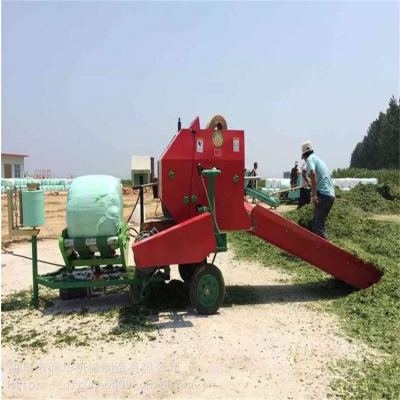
<point x="269" y="340"/>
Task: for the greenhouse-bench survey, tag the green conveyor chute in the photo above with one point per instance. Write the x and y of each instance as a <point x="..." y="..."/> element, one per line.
<point x="263" y="197"/>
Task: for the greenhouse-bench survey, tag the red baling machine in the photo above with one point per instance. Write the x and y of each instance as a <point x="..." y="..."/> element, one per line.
<point x="201" y="184"/>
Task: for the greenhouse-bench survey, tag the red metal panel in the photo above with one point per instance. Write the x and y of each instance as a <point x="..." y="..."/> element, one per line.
<point x="182" y="193"/>
<point x="304" y="244"/>
<point x="178" y="159"/>
<point x="189" y="242"/>
<point x="195" y="125"/>
<point x="229" y="192"/>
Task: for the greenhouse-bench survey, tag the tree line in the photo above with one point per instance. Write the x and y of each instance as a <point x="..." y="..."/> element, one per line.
<point x="380" y="147"/>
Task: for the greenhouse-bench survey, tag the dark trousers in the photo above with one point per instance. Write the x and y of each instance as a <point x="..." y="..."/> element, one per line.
<point x="321" y="212"/>
<point x="305" y="197"/>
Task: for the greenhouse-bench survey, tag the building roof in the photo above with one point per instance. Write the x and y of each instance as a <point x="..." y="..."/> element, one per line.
<point x="13" y="155"/>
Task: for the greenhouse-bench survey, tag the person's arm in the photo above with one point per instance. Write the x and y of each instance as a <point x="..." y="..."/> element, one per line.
<point x="313" y="177"/>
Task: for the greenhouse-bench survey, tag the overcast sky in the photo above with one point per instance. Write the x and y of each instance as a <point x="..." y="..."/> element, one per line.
<point x="87" y="85"/>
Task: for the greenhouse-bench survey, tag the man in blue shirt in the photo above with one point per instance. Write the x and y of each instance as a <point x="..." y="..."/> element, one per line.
<point x="323" y="192"/>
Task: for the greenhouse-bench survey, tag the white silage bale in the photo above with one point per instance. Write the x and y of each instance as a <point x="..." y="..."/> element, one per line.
<point x="10" y="183"/>
<point x="275" y="183"/>
<point x="374" y="181"/>
<point x="364" y="181"/>
<point x="268" y="183"/>
<point x="284" y="184"/>
<point x="346" y="189"/>
<point x="265" y="190"/>
<point x="353" y="182"/>
<point x="346" y="183"/>
<point x="339" y="182"/>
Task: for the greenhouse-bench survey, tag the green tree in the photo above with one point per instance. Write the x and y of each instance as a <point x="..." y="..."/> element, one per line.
<point x="391" y="135"/>
<point x="380" y="147"/>
<point x="357" y="157"/>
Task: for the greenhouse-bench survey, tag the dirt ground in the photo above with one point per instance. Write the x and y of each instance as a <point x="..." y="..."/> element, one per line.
<point x="269" y="340"/>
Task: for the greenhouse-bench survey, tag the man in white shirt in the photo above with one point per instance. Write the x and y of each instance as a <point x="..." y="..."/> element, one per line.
<point x="305" y="195"/>
<point x="253" y="184"/>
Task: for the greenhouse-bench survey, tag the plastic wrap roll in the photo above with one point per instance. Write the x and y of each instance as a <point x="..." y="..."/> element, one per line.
<point x="33" y="208"/>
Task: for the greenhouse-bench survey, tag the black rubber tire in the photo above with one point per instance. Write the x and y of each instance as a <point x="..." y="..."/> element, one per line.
<point x="134" y="296"/>
<point x="186" y="271"/>
<point x="200" y="271"/>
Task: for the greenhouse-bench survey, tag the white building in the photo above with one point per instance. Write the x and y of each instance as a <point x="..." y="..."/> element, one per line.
<point x="12" y="165"/>
<point x="142" y="166"/>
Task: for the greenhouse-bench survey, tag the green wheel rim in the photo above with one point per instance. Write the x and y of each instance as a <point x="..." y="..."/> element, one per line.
<point x="207" y="290"/>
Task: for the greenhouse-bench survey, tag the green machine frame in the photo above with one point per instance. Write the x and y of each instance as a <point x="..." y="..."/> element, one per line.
<point x="52" y="280"/>
<point x="79" y="255"/>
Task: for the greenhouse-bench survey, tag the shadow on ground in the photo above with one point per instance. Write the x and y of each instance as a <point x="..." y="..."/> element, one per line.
<point x="170" y="307"/>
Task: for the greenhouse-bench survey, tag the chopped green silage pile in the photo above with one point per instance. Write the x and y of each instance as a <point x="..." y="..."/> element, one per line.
<point x="382" y="199"/>
<point x="371" y="315"/>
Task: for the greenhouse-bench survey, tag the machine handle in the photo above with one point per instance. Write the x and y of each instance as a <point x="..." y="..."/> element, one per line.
<point x="145" y="185"/>
<point x="211" y="172"/>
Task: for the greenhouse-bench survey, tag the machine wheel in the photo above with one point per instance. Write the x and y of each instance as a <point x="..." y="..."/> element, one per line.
<point x="207" y="289"/>
<point x="69" y="294"/>
<point x="135" y="294"/>
<point x="165" y="211"/>
<point x="146" y="295"/>
<point x="186" y="271"/>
